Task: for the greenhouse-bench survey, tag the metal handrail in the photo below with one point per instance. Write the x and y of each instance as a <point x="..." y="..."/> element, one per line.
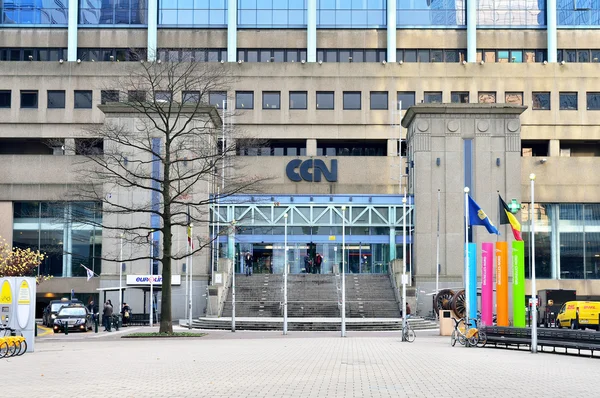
<point x="225" y="290"/>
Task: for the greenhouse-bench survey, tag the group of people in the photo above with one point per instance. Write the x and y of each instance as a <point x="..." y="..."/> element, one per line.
<point x="107" y="314"/>
<point x="313" y="266"/>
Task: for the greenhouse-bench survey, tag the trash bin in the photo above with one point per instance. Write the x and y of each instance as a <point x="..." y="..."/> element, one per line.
<point x="446" y="323"/>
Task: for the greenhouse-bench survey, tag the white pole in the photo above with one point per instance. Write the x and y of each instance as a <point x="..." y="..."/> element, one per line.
<point x="533" y="287"/>
<point x="285" y="256"/>
<point x="121" y="274"/>
<point x="151" y="281"/>
<point x="190" y="261"/>
<point x="343" y="271"/>
<point x="466" y="256"/>
<point x="437" y="255"/>
<point x="404" y="266"/>
<point x="233" y="280"/>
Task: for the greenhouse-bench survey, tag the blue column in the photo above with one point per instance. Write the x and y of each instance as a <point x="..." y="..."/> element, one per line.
<point x="392" y="243"/>
<point x="311" y="31"/>
<point x="152" y="29"/>
<point x="391" y="30"/>
<point x="471" y="30"/>
<point x="72" y="31"/>
<point x="232" y="30"/>
<point x="551" y="24"/>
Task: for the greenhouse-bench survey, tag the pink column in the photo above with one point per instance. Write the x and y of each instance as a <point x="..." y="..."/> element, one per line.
<point x="487" y="283"/>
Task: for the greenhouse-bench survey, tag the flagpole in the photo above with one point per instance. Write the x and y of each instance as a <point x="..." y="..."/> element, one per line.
<point x="466" y="256"/>
<point x="533" y="287"/>
<point x="437" y="259"/>
<point x="151" y="280"/>
<point x="190" y="261"/>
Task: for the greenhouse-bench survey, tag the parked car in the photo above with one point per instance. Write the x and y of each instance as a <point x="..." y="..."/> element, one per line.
<point x="52" y="309"/>
<point x="75" y="316"/>
<point x="589" y="315"/>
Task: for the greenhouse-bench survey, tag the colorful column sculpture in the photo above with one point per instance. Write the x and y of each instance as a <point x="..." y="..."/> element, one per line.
<point x="487" y="283"/>
<point x="518" y="265"/>
<point x="502" y="283"/>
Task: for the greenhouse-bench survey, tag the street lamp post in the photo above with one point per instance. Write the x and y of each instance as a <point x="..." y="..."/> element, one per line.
<point x="285" y="266"/>
<point x="190" y="271"/>
<point x="121" y="274"/>
<point x="343" y="271"/>
<point x="233" y="279"/>
<point x="404" y="267"/>
<point x="533" y="287"/>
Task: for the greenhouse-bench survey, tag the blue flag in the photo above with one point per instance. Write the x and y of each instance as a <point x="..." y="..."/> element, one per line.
<point x="478" y="217"/>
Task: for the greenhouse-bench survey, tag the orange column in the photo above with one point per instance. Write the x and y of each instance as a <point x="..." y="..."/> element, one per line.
<point x="502" y="283"/>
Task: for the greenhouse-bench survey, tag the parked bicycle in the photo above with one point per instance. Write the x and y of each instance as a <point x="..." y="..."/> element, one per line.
<point x="470" y="336"/>
<point x="12" y="344"/>
<point x="408" y="334"/>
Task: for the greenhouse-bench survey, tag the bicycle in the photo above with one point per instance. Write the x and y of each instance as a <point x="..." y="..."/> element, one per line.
<point x="12" y="344"/>
<point x="408" y="334"/>
<point x="470" y="336"/>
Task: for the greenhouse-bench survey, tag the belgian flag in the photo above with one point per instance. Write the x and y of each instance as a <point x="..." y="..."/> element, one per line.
<point x="506" y="217"/>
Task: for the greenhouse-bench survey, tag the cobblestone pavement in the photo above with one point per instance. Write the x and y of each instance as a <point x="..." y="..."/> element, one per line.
<point x="302" y="364"/>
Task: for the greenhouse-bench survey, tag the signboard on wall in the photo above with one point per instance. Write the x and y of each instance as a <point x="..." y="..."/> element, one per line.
<point x="144" y="280"/>
<point x="311" y="170"/>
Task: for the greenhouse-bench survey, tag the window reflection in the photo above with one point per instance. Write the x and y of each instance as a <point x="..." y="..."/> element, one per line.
<point x="211" y="13"/>
<point x="271" y="13"/>
<point x="351" y="14"/>
<point x="430" y="13"/>
<point x="113" y="12"/>
<point x="530" y="13"/>
<point x="30" y="12"/>
<point x="578" y="13"/>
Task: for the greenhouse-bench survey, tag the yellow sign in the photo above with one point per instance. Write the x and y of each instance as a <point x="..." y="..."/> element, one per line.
<point x="24" y="293"/>
<point x="331" y="237"/>
<point x="5" y="293"/>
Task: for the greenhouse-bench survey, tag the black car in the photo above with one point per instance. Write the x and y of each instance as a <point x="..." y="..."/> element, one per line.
<point x="75" y="316"/>
<point x="52" y="309"/>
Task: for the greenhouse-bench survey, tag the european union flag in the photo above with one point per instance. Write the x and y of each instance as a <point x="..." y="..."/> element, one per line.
<point x="478" y="217"/>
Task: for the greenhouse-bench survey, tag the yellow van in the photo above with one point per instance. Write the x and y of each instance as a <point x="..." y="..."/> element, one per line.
<point x="589" y="315"/>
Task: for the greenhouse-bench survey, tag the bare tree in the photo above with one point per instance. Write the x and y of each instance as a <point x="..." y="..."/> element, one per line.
<point x="156" y="161"/>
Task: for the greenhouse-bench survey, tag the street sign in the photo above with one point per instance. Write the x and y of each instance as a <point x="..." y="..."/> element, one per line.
<point x="532" y="300"/>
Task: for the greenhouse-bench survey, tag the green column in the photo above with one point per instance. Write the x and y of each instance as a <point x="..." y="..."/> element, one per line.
<point x="518" y="265"/>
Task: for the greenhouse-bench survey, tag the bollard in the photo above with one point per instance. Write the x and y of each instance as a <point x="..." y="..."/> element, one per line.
<point x="66" y="325"/>
<point x="95" y="323"/>
<point x="36" y="326"/>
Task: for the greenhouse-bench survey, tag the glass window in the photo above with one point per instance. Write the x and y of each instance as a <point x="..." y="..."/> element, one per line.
<point x="244" y="100"/>
<point x="423" y="56"/>
<point x="430" y="13"/>
<point x="163" y="96"/>
<point x="541" y="100"/>
<point x="410" y="55"/>
<point x="27" y="12"/>
<point x="432" y="97"/>
<point x="325" y="100"/>
<point x="56" y="99"/>
<point x="459" y="97"/>
<point x="29" y="99"/>
<point x="83" y="99"/>
<point x="271" y="100"/>
<point x="136" y="96"/>
<point x="500" y="13"/>
<point x="513" y="97"/>
<point x="271" y="14"/>
<point x="568" y="101"/>
<point x="351" y="14"/>
<point x="486" y="97"/>
<point x="351" y="100"/>
<point x="107" y="96"/>
<point x="217" y="99"/>
<point x="121" y="12"/>
<point x="298" y="99"/>
<point x="5" y="99"/>
<point x="578" y="13"/>
<point x="379" y="100"/>
<point x="406" y="99"/>
<point x="437" y="55"/>
<point x="190" y="97"/>
<point x="583" y="56"/>
<point x="593" y="101"/>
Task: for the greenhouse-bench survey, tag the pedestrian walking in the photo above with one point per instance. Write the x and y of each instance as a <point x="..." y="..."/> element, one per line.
<point x="307" y="264"/>
<point x="107" y="316"/>
<point x="318" y="263"/>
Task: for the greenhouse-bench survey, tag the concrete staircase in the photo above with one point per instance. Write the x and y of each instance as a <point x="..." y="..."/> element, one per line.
<point x="313" y="296"/>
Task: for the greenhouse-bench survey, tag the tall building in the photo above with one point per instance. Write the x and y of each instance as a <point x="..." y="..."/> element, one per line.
<point x="323" y="81"/>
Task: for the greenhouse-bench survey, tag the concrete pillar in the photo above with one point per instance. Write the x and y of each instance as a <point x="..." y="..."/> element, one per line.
<point x="311" y="147"/>
<point x="72" y="31"/>
<point x="311" y="31"/>
<point x="231" y="30"/>
<point x="551" y="30"/>
<point x="6" y="222"/>
<point x="69" y="146"/>
<point x="392" y="147"/>
<point x="391" y="31"/>
<point x="152" y="29"/>
<point x="554" y="148"/>
<point x="471" y="30"/>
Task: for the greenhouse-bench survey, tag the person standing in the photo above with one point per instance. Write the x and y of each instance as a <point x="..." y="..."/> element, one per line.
<point x="248" y="263"/>
<point x="318" y="262"/>
<point x="126" y="313"/>
<point x="107" y="316"/>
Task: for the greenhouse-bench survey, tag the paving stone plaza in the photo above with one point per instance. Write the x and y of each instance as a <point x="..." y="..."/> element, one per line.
<point x="302" y="364"/>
